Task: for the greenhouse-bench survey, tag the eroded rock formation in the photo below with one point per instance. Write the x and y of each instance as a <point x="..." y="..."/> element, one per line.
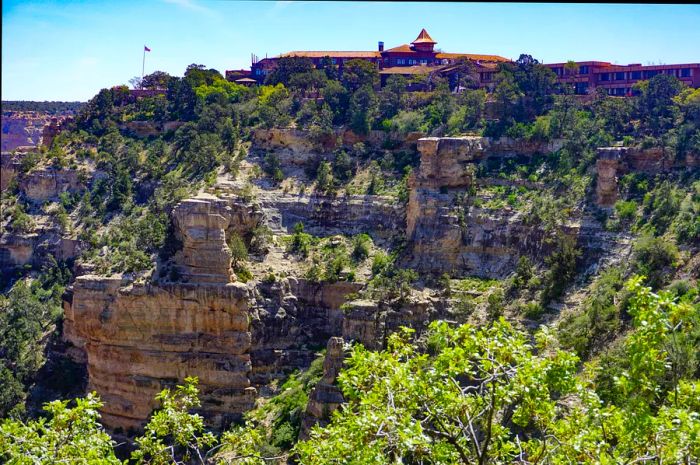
<point x="142" y="338"/>
<point x="614" y="162"/>
<point x="446" y="232"/>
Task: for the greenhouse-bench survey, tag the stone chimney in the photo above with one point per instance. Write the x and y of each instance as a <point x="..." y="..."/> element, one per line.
<point x="381" y="46"/>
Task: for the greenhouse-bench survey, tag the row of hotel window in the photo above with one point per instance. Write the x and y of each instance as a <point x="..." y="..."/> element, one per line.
<point x="621" y="76"/>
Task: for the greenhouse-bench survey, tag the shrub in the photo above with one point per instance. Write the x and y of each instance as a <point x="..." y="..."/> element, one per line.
<point x="524" y="271"/>
<point x="324" y="178"/>
<point x="343" y="167"/>
<point x="361" y="246"/>
<point x="273" y="167"/>
<point x="239" y="251"/>
<point x="260" y="239"/>
<point x="301" y="241"/>
<point x="626" y="210"/>
<point x="652" y="257"/>
<point x="532" y="310"/>
<point x="21" y="221"/>
<point x="562" y="267"/>
<point x="599" y="318"/>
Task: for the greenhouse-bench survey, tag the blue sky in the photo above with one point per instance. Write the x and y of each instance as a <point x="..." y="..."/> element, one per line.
<point x="68" y="50"/>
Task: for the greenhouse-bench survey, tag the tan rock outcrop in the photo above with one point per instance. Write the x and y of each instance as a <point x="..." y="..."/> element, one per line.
<point x="325" y="397"/>
<point x="47" y="184"/>
<point x="463" y="239"/>
<point x="142" y="338"/>
<point x="614" y="162"/>
<point x="203" y="224"/>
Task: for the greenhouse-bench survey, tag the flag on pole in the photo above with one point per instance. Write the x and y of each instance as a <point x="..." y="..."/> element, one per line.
<point x="146" y="49"/>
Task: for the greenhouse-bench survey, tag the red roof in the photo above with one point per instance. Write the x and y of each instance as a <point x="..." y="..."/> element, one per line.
<point x="405" y="48"/>
<point x="331" y="54"/>
<point x="424" y="38"/>
<point x="472" y="56"/>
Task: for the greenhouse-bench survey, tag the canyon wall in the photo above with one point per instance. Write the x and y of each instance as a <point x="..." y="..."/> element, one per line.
<point x="614" y="162"/>
<point x="141" y="338"/>
<point x="446" y="234"/>
<point x="240" y="337"/>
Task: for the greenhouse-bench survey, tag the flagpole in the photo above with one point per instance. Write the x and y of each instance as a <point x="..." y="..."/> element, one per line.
<point x="143" y="65"/>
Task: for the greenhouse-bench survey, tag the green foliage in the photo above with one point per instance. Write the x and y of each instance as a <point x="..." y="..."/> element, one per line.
<point x="301" y="241"/>
<point x="626" y="210"/>
<point x="30" y="160"/>
<point x="358" y="74"/>
<point x="653" y="257"/>
<point x="485" y="395"/>
<point x="132" y="240"/>
<point x="361" y="246"/>
<point x="600" y="316"/>
<point x="286" y="68"/>
<point x="172" y="434"/>
<point x="661" y="205"/>
<point x="388" y="280"/>
<point x="284" y="411"/>
<point x="324" y="178"/>
<point x="562" y="267"/>
<point x="655" y="106"/>
<point x="273" y="167"/>
<point x="404" y="405"/>
<point x="70" y="435"/>
<point x="21" y="221"/>
<point x="27" y="313"/>
<point x="687" y="224"/>
<point x="239" y="255"/>
<point x="363" y="109"/>
<point x="343" y="167"/>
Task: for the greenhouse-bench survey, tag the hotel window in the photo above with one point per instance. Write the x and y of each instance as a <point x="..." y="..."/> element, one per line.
<point x="619" y="76"/>
<point x="423" y="61"/>
<point x="636" y="75"/>
<point x="685" y="72"/>
<point x="605" y="77"/>
<point x="583" y="69"/>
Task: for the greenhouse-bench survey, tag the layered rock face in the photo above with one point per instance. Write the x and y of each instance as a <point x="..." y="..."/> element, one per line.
<point x="41" y="185"/>
<point x="234" y="337"/>
<point x="201" y="224"/>
<point x="292" y="320"/>
<point x="9" y="167"/>
<point x="321" y="215"/>
<point x="295" y="143"/>
<point x="613" y="162"/>
<point x="142" y="338"/>
<point x="22" y="129"/>
<point x="18" y="249"/>
<point x="448" y="236"/>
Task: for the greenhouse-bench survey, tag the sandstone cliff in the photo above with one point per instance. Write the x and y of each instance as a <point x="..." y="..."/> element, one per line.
<point x="482" y="242"/>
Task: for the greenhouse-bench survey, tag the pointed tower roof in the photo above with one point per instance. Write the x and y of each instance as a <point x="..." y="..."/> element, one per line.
<point x="424" y="38"/>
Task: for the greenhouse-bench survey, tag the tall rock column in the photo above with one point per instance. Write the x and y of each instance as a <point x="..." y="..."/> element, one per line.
<point x="325" y="397"/>
<point x="607" y="165"/>
<point x="201" y="224"/>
